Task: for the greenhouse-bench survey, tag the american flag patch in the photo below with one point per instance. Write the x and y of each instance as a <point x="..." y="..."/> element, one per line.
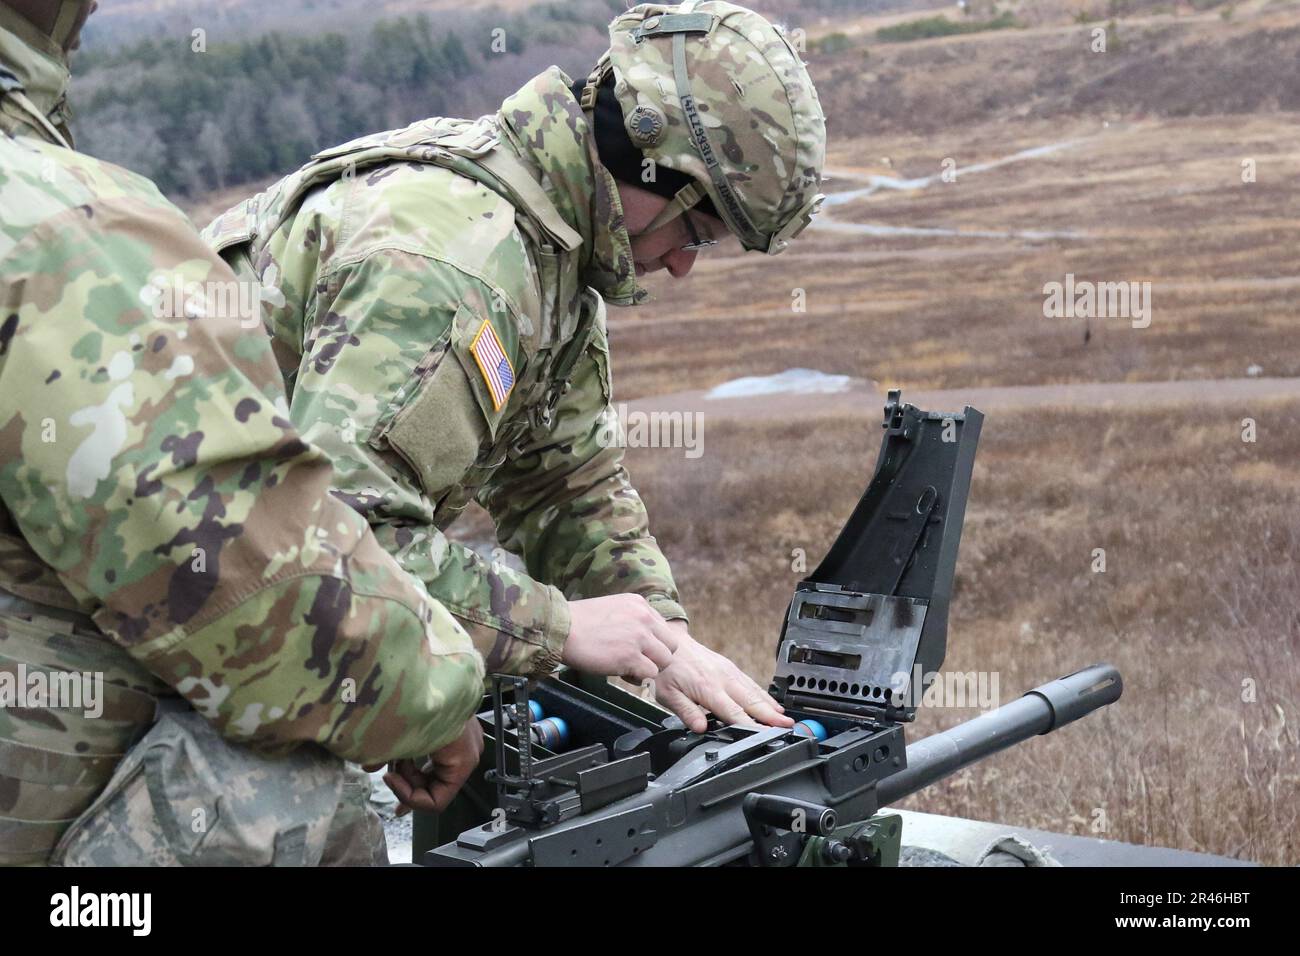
<point x="494" y="364"/>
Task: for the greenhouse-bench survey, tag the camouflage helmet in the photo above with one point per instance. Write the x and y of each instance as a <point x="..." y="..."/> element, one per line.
<point x="718" y="93"/>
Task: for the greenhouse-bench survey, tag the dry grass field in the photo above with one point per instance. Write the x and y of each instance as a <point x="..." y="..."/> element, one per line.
<point x="1197" y="604"/>
<point x="1157" y="201"/>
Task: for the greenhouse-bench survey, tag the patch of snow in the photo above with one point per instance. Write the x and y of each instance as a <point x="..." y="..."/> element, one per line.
<point x="799" y="381"/>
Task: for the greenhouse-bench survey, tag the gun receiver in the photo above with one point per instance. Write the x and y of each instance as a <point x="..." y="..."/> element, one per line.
<point x="610" y="779"/>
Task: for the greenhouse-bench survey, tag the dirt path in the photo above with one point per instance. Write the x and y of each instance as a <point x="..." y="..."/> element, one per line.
<point x="868" y="398"/>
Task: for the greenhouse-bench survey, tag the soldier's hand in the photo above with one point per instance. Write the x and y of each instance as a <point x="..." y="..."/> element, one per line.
<point x="619" y="636"/>
<point x="430" y="785"/>
<point x="698" y="680"/>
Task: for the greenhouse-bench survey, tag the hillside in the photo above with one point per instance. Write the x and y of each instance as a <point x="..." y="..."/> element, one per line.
<point x="1154" y="65"/>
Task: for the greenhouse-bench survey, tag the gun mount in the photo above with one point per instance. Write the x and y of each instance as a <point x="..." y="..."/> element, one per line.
<point x="610" y="779"/>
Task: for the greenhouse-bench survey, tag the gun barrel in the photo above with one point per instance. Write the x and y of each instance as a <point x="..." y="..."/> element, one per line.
<point x="1040" y="711"/>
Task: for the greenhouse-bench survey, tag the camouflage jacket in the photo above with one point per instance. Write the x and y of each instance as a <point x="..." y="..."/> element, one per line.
<point x="430" y="295"/>
<point x="153" y="492"/>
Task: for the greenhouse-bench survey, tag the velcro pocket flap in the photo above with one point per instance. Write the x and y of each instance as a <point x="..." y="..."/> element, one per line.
<point x="451" y="418"/>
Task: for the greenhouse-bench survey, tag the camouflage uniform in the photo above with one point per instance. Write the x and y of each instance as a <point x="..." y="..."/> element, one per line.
<point x="387" y="264"/>
<point x="436" y="295"/>
<point x="437" y="299"/>
<point x="164" y="525"/>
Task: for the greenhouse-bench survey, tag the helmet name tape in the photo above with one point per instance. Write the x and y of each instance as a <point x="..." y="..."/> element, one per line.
<point x="732" y="210"/>
<point x="729" y="198"/>
<point x="697" y="130"/>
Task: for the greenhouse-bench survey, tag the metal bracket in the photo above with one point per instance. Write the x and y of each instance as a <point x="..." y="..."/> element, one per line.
<point x="876" y="842"/>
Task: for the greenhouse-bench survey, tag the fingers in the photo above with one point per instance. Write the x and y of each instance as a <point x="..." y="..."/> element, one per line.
<point x="727" y="710"/>
<point x="734" y="697"/>
<point x="410" y="787"/>
<point x="745" y="694"/>
<point x="766" y="697"/>
<point x="739" y="699"/>
<point x="641" y="669"/>
<point x="610" y="635"/>
<point x="410" y="773"/>
<point x="691" y="713"/>
<point x="660" y="640"/>
<point x="760" y="706"/>
<point x="432" y="786"/>
<point x="740" y="706"/>
<point x="657" y="652"/>
<point x="669" y="633"/>
<point x="401" y="791"/>
<point x="757" y="702"/>
<point x="447" y="785"/>
<point x="433" y="793"/>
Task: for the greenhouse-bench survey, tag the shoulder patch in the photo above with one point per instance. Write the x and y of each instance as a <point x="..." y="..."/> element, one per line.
<point x="493" y="363"/>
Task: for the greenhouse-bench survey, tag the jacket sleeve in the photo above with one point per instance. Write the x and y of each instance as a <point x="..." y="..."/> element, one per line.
<point x="382" y="386"/>
<point x="567" y="506"/>
<point x="146" y="455"/>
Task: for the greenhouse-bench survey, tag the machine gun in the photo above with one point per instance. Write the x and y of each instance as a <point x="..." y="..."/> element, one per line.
<point x="587" y="774"/>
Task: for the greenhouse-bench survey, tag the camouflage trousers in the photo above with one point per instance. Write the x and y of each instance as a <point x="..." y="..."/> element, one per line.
<point x="185" y="796"/>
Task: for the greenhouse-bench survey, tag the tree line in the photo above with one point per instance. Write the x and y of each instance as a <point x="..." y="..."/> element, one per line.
<point x="196" y="116"/>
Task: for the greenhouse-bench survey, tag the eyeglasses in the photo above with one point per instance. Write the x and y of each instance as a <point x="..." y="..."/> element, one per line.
<point x="696" y="243"/>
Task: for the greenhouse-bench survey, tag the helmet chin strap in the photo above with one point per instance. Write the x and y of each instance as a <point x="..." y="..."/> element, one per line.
<point x="686" y="198"/>
<point x="597" y="75"/>
<point x="68" y="21"/>
<point x="587" y="102"/>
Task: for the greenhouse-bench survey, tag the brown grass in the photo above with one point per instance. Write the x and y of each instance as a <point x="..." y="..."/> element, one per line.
<point x="1200" y="598"/>
<point x="1157" y="201"/>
